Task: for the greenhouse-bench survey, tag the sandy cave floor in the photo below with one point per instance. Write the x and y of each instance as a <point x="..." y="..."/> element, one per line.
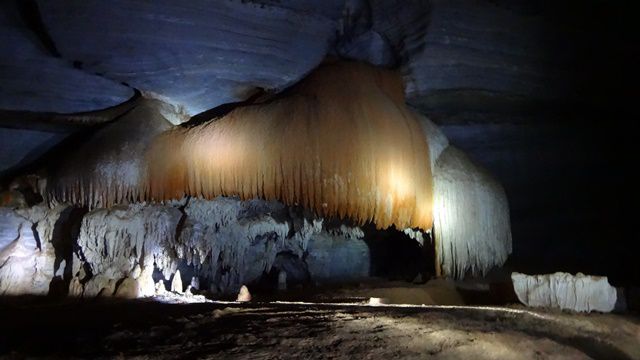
<point x="148" y="329"/>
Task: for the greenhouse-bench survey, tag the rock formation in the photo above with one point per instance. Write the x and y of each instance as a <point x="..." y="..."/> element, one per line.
<point x="581" y="293"/>
<point x="162" y="145"/>
<point x="125" y="250"/>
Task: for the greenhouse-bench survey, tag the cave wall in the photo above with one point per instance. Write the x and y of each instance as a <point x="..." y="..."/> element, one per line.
<point x="138" y="250"/>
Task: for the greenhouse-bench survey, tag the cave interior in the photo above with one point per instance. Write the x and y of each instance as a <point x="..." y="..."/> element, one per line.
<point x="303" y="179"/>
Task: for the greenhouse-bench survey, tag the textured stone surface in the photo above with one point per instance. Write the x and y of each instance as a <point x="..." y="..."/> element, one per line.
<point x="472" y="228"/>
<point x="123" y="251"/>
<point x="115" y="242"/>
<point x="29" y="260"/>
<point x="476" y="51"/>
<point x="197" y="54"/>
<point x="237" y="242"/>
<point x="383" y="32"/>
<point x="338" y="257"/>
<point x="111" y="158"/>
<point x="33" y="80"/>
<point x="582" y="293"/>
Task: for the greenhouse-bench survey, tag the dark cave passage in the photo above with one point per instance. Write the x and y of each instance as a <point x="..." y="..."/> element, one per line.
<point x="396" y="256"/>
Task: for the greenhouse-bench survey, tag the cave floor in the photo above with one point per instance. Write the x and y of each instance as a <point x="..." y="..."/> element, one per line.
<point x="147" y="329"/>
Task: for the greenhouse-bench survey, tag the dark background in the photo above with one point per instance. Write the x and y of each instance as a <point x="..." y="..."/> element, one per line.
<point x="567" y="162"/>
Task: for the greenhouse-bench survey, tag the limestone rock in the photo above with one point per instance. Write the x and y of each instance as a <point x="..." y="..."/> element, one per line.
<point x="146" y="286"/>
<point x="98" y="284"/>
<point x="197" y="54"/>
<point x="337" y="257"/>
<point x="220" y="245"/>
<point x="111" y="161"/>
<point x="115" y="241"/>
<point x="472" y="226"/>
<point x="75" y="287"/>
<point x="34" y="80"/>
<point x="236" y="242"/>
<point x="18" y="254"/>
<point x="128" y="289"/>
<point x="28" y="261"/>
<point x="581" y="293"/>
<point x="474" y="51"/>
<point x="160" y="288"/>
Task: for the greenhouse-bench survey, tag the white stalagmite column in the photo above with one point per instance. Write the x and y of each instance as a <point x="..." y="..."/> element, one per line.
<point x="471" y="217"/>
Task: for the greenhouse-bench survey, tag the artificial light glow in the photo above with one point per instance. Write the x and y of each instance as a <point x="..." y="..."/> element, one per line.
<point x="341" y="143"/>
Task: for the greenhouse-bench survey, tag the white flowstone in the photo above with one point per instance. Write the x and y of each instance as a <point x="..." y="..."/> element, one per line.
<point x="436" y="139"/>
<point x="472" y="230"/>
<point x="581" y="293"/>
<point x="110" y="166"/>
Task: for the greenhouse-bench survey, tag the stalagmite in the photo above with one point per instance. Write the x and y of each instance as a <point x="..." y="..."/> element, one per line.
<point x="176" y="283"/>
<point x="244" y="295"/>
<point x="341" y="142"/>
<point x="471" y="227"/>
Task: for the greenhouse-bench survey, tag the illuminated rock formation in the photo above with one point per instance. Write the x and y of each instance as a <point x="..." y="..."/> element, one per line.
<point x="342" y="142"/>
<point x="34" y="80"/>
<point x="582" y="293"/>
<point x="123" y="251"/>
<point x="108" y="168"/>
<point x="472" y="230"/>
<point x="29" y="261"/>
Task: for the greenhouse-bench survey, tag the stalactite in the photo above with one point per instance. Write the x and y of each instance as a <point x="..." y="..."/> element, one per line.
<point x="471" y="226"/>
<point x="341" y="142"/>
<point x="436" y="139"/>
<point x="108" y="168"/>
